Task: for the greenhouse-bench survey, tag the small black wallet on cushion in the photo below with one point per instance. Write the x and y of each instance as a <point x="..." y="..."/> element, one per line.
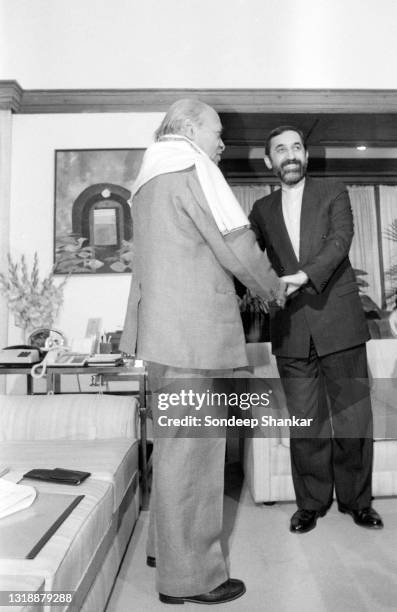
<point x="73" y="477"/>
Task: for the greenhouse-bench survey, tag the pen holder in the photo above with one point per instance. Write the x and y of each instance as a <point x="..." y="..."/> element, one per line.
<point x="105" y="347"/>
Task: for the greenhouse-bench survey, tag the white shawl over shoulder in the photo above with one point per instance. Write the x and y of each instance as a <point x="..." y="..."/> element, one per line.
<point x="174" y="153"/>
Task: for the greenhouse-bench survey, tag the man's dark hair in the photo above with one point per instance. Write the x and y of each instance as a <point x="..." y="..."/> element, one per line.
<point x="280" y="130"/>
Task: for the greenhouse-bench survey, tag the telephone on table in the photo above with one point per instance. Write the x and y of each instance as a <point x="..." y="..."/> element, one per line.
<point x="59" y="356"/>
<point x="20" y="355"/>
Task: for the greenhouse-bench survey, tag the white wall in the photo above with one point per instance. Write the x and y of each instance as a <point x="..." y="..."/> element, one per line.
<point x="199" y="43"/>
<point x="35" y="139"/>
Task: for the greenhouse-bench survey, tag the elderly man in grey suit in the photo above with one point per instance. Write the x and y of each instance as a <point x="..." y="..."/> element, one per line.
<point x="190" y="238"/>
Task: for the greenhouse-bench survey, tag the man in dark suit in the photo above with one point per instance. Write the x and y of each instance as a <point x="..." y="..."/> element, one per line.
<point x="306" y="228"/>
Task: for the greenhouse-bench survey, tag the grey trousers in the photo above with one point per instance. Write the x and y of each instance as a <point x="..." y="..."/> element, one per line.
<point x="186" y="506"/>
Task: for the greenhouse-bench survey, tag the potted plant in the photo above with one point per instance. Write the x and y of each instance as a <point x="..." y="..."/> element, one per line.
<point x="34" y="302"/>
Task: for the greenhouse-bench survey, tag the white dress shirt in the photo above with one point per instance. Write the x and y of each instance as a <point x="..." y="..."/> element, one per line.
<point x="291" y="198"/>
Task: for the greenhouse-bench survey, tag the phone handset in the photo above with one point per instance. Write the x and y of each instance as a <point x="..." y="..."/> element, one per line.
<point x="53" y="353"/>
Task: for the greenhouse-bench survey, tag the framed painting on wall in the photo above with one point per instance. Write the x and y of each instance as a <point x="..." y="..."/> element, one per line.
<point x="92" y="218"/>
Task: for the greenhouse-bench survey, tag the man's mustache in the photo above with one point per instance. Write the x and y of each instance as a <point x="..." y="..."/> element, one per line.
<point x="291" y="162"/>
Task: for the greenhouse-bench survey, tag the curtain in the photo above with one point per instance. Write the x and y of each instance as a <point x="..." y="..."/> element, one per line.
<point x="247" y="194"/>
<point x="388" y="216"/>
<point x="364" y="251"/>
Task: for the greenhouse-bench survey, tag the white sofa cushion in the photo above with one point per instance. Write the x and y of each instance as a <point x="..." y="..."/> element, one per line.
<point x="114" y="461"/>
<point x="65" y="557"/>
<point x="69" y="416"/>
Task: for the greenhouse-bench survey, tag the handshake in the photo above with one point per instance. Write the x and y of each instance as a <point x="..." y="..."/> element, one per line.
<point x="290" y="284"/>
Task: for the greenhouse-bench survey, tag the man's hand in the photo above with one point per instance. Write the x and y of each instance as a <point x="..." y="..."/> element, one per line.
<point x="282" y="293"/>
<point x="295" y="281"/>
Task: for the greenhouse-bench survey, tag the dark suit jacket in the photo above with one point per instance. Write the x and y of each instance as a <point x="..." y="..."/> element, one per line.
<point x="328" y="308"/>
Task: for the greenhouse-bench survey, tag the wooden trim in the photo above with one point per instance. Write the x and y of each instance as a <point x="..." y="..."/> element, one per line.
<point x="10" y="96"/>
<point x="13" y="97"/>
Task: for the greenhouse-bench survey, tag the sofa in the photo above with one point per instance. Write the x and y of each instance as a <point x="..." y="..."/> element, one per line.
<point x="94" y="433"/>
<point x="266" y="460"/>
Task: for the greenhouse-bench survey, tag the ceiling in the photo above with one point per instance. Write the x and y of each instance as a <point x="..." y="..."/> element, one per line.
<point x="321" y="129"/>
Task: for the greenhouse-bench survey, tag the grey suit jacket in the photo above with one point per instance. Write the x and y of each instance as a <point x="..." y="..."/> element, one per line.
<point x="328" y="309"/>
<point x="182" y="309"/>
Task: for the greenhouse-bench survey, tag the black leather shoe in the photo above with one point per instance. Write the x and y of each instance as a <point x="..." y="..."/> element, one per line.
<point x="227" y="591"/>
<point x="366" y="517"/>
<point x="303" y="520"/>
<point x="151" y="561"/>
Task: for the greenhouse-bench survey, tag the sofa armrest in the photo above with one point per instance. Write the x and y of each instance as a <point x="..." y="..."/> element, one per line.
<point x="73" y="417"/>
